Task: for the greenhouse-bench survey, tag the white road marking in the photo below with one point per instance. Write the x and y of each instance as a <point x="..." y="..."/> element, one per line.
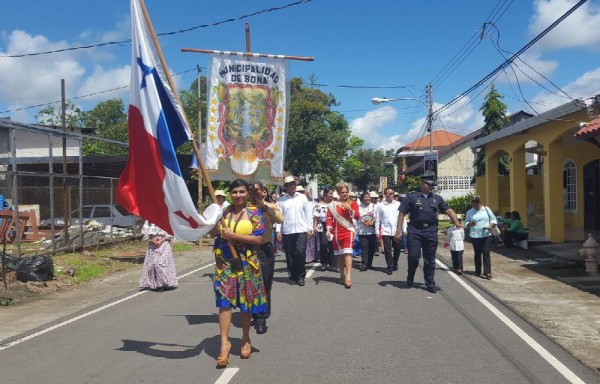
<point x="312" y="270"/>
<point x="553" y="361"/>
<point x="227" y="375"/>
<point x="84" y="315"/>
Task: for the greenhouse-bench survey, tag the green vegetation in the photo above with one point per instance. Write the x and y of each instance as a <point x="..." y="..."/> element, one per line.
<point x="460" y="204"/>
<point x="180" y="246"/>
<point x="494" y="116"/>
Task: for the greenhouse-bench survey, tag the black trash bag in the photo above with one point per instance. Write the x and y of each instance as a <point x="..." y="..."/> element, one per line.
<point x="35" y="268"/>
<point x="11" y="263"/>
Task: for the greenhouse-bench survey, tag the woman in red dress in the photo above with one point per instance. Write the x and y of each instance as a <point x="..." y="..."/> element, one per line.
<point x="341" y="228"/>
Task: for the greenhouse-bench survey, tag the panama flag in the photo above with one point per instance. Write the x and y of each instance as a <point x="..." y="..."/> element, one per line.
<point x="151" y="185"/>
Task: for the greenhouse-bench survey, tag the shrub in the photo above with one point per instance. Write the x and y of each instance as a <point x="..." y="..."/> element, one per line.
<point x="460" y="204"/>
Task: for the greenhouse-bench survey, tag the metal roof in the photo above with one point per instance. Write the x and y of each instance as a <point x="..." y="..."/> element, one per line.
<point x="524" y="125"/>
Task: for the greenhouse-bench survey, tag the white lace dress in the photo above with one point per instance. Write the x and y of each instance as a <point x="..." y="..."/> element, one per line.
<point x="159" y="265"/>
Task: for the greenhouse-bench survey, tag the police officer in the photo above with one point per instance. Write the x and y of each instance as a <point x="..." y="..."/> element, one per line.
<point x="423" y="209"/>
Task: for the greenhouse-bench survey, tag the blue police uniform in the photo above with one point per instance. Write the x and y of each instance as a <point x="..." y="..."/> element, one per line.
<point x="422" y="233"/>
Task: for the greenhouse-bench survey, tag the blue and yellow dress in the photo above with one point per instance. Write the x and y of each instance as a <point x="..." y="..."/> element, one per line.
<point x="241" y="289"/>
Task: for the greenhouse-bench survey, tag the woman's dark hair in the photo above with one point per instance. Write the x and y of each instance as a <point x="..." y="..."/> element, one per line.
<point x="262" y="187"/>
<point x="326" y="190"/>
<point x="362" y="195"/>
<point x="516" y="215"/>
<point x="507" y="214"/>
<point x="239" y="183"/>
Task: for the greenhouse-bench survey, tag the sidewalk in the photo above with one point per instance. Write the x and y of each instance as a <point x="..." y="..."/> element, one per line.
<point x="548" y="286"/>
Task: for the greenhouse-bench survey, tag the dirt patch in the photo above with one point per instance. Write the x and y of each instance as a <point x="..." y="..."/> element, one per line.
<point x="70" y="270"/>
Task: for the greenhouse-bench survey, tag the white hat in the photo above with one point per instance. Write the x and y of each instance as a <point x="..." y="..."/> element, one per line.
<point x="373" y="194"/>
<point x="220" y="192"/>
<point x="352" y="194"/>
<point x="289" y="179"/>
<point x="299" y="188"/>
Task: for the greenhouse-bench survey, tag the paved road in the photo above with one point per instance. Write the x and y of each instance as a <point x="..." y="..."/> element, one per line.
<point x="380" y="331"/>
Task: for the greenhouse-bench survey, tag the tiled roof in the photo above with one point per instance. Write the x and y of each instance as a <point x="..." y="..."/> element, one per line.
<point x="440" y="139"/>
<point x="590" y="129"/>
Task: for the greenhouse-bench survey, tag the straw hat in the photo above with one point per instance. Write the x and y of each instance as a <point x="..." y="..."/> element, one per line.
<point x="373" y="194"/>
<point x="289" y="179"/>
<point x="299" y="188"/>
<point x="220" y="192"/>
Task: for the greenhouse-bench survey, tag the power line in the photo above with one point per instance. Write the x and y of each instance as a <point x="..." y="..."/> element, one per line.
<point x="513" y="57"/>
<point x="82" y="96"/>
<point x="469" y="46"/>
<point x="124" y="42"/>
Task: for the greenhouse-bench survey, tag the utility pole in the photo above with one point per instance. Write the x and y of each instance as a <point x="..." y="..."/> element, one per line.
<point x="66" y="197"/>
<point x="430" y="117"/>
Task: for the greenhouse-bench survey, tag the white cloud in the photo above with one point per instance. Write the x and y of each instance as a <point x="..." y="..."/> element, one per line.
<point x="36" y="79"/>
<point x="367" y="127"/>
<point x="102" y="79"/>
<point x="579" y="29"/>
<point x="585" y="86"/>
<point x="461" y="118"/>
<point x="529" y="66"/>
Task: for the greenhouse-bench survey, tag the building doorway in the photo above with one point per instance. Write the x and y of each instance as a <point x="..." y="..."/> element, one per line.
<point x="591" y="192"/>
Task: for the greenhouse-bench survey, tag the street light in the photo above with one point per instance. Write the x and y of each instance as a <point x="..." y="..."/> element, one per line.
<point x="429" y="105"/>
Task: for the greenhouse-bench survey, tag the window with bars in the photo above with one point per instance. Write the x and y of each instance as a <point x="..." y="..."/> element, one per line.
<point x="570" y="186"/>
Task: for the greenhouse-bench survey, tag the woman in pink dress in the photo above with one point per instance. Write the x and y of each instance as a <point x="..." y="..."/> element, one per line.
<point x="340" y="228"/>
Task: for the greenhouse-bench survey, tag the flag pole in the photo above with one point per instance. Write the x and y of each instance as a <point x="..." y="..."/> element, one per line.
<point x="163" y="62"/>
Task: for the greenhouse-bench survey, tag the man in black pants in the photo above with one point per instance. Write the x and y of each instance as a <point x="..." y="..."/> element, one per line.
<point x="423" y="209"/>
<point x="296" y="228"/>
<point x="266" y="255"/>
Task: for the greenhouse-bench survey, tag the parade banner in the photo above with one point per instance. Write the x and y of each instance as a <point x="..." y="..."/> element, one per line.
<point x="247" y="119"/>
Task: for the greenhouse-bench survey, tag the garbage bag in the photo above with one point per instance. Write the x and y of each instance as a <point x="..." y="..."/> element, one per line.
<point x="11" y="263"/>
<point x="35" y="268"/>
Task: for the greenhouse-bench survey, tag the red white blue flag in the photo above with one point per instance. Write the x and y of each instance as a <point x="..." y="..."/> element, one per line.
<point x="152" y="185"/>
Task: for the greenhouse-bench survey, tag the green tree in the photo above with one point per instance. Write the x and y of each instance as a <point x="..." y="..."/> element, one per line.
<point x="317" y="137"/>
<point x="109" y="121"/>
<point x="51" y="115"/>
<point x="495" y="118"/>
<point x="364" y="167"/>
<point x="410" y="184"/>
<point x="189" y="100"/>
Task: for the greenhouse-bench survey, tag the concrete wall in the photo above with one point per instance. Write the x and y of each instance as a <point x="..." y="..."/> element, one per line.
<point x="457" y="162"/>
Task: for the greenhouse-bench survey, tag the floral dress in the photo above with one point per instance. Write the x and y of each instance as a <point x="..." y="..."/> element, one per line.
<point x="159" y="265"/>
<point x="240" y="289"/>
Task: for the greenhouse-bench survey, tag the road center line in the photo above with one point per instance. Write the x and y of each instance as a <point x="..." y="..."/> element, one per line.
<point x="553" y="361"/>
<point x="227" y="375"/>
<point x="312" y="270"/>
<point x="84" y="315"/>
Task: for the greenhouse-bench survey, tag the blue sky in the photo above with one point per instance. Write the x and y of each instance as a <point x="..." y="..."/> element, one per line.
<point x="388" y="43"/>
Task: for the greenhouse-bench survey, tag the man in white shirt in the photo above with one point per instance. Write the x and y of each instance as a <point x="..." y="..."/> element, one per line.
<point x="297" y="226"/>
<point x="388" y="218"/>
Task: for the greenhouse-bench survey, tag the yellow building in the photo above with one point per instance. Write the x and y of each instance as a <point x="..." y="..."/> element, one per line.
<point x="558" y="194"/>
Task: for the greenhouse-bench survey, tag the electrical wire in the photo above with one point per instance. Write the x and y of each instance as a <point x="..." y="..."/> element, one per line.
<point x="513" y="57"/>
<point x="126" y="42"/>
<point x="83" y="96"/>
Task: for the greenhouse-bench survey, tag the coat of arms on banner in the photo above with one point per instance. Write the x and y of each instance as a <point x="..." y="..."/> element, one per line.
<point x="246" y="119"/>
